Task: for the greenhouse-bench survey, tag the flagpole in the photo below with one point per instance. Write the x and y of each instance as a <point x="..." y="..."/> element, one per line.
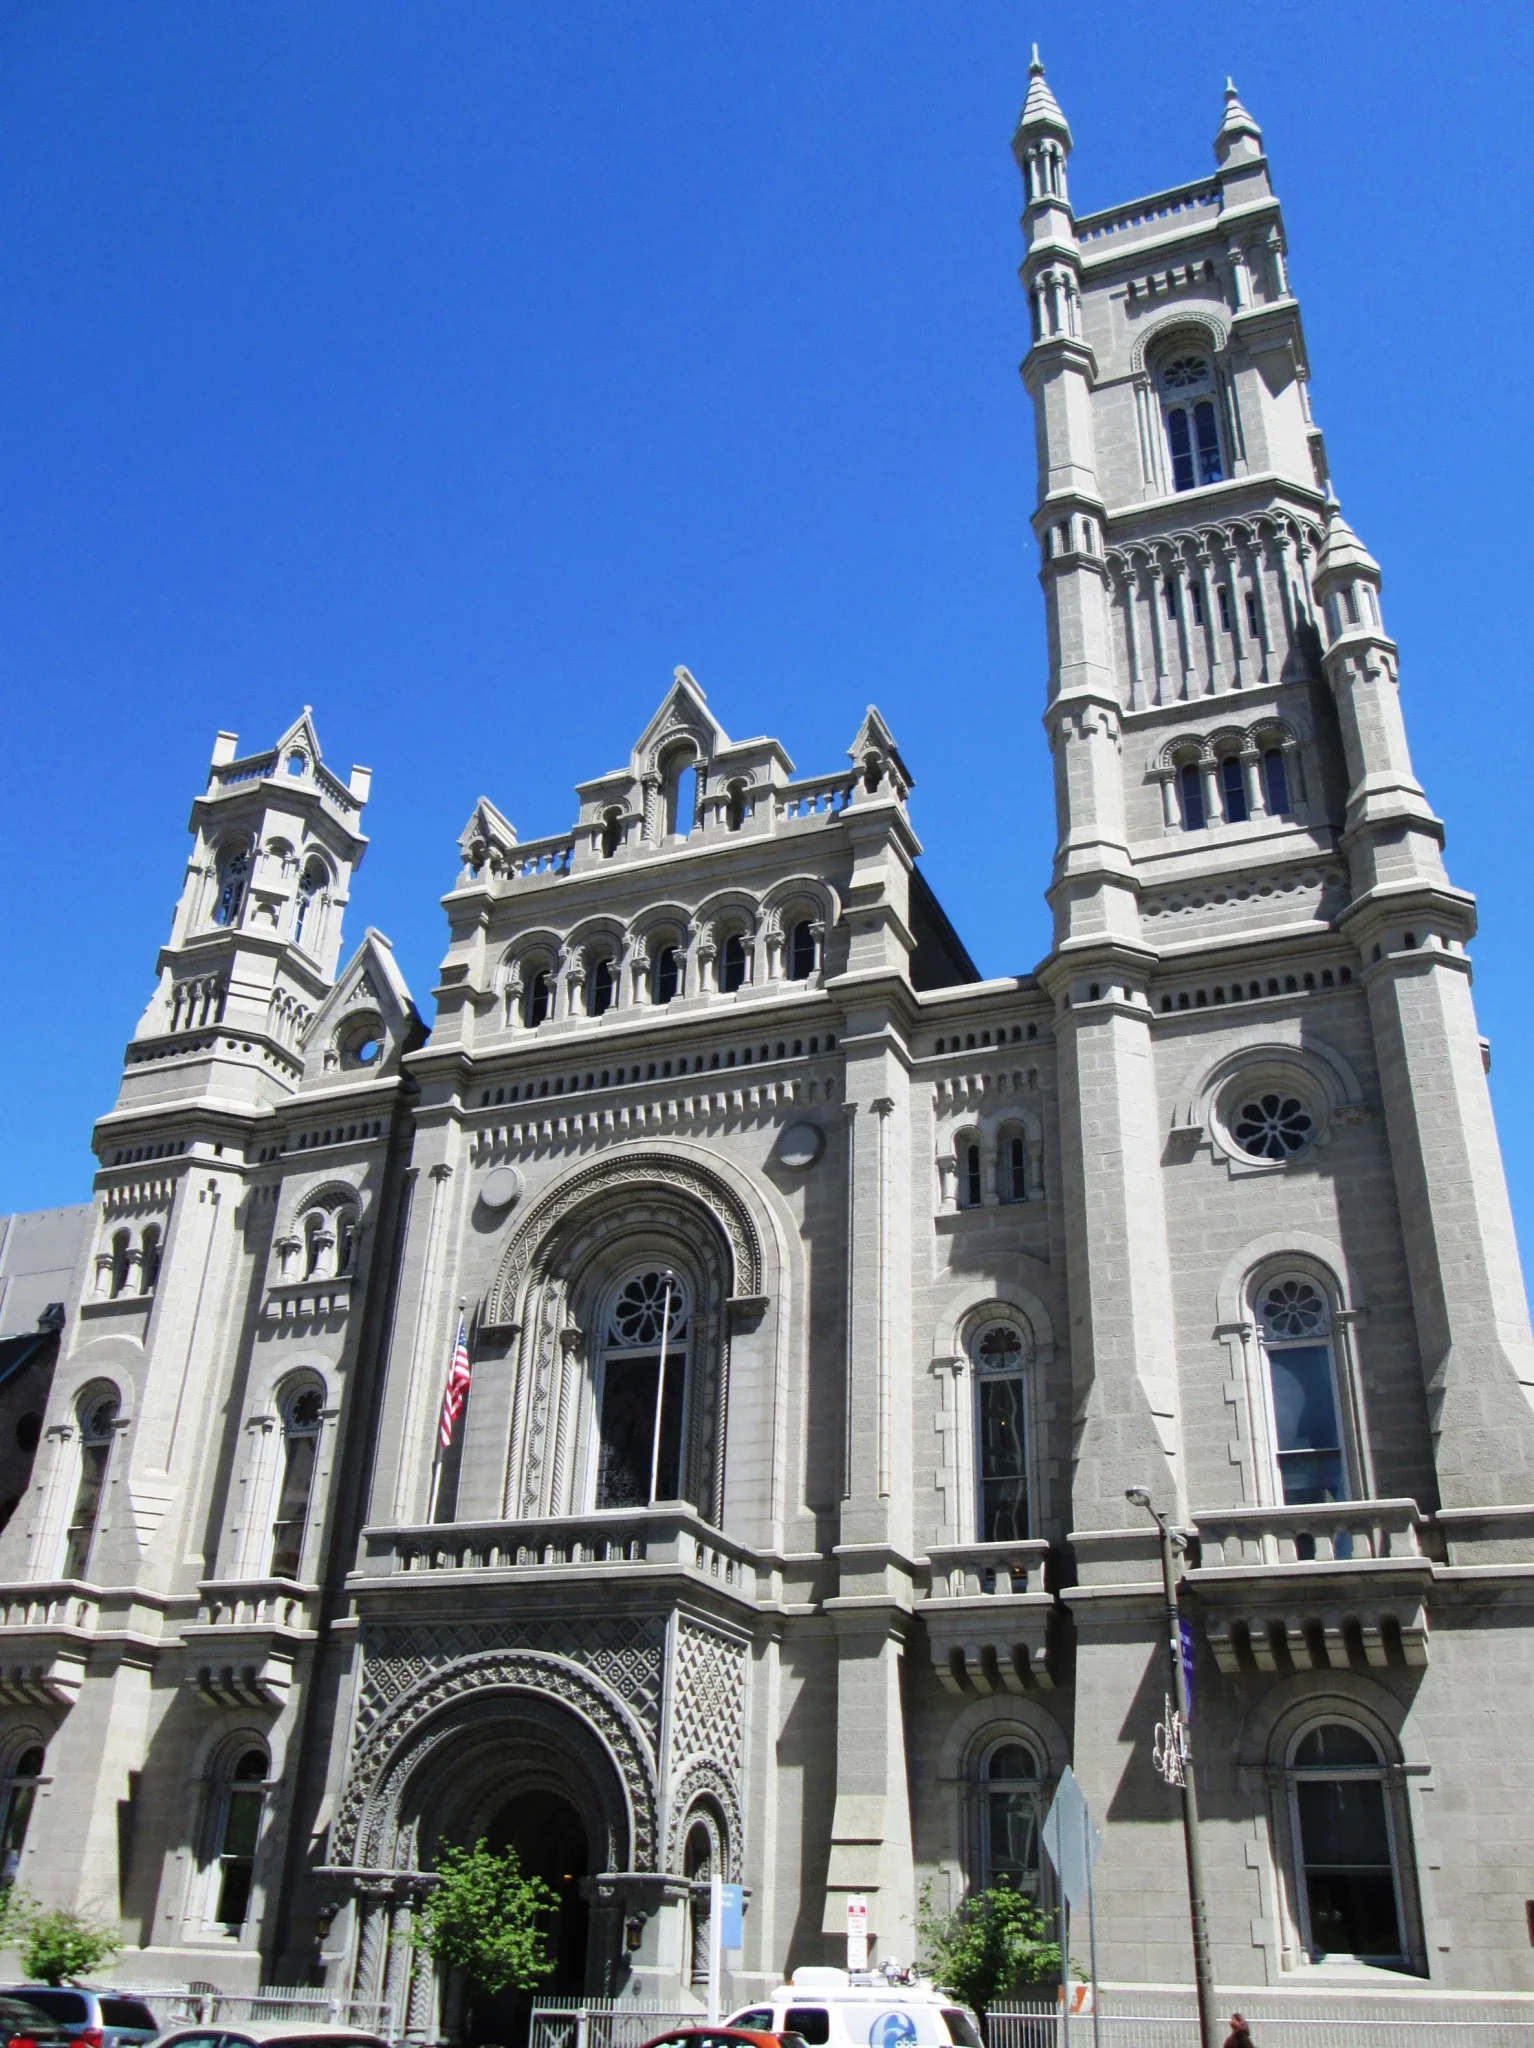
<point x="436" y="1461"/>
<point x="660" y="1385"/>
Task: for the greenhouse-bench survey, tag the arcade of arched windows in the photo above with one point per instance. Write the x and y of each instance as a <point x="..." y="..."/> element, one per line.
<point x="287" y="1018"/>
<point x="1222" y="609"/>
<point x="1230" y="776"/>
<point x="991" y="1161"/>
<point x="196" y="1001"/>
<point x="733" y="943"/>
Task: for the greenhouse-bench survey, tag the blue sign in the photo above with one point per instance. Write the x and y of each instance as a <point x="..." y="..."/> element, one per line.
<point x="892" y="2030"/>
<point x="732" y="1910"/>
<point x="1185" y="1645"/>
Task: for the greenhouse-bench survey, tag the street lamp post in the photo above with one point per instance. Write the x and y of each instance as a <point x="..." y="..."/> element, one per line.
<point x="1198" y="1911"/>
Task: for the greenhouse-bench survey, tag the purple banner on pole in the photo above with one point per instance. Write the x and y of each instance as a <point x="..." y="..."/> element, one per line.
<point x="1185" y="1644"/>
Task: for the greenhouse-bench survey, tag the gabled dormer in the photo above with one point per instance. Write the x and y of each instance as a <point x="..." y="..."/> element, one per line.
<point x="366" y="1024"/>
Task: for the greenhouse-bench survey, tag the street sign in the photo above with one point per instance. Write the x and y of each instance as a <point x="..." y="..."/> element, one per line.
<point x="1072" y="1838"/>
<point x="857" y="1932"/>
<point x="732" y="1911"/>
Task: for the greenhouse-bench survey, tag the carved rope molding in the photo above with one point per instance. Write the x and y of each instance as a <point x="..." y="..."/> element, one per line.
<point x="681" y="1176"/>
<point x="383" y="1764"/>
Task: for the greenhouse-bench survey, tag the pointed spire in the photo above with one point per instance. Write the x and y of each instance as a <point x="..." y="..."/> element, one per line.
<point x="1238" y="136"/>
<point x="1041" y="110"/>
<point x="1343" y="555"/>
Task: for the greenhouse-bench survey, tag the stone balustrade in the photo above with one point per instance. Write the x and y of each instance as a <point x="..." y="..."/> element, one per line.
<point x="669" y="1538"/>
<point x="967" y="1571"/>
<point x="1329" y="1532"/>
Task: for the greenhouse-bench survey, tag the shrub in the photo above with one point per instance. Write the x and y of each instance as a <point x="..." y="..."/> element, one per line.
<point x="991" y="1948"/>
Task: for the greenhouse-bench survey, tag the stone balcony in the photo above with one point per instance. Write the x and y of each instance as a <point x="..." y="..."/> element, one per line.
<point x="987" y="1615"/>
<point x="1312" y="1588"/>
<point x="668" y="1544"/>
<point x="241" y="1649"/>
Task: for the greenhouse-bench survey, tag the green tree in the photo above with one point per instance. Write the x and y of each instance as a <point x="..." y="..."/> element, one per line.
<point x="55" y="1945"/>
<point x="992" y="1948"/>
<point x="484" y="1916"/>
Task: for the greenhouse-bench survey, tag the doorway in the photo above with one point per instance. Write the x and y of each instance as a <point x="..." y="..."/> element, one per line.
<point x="550" y="1839"/>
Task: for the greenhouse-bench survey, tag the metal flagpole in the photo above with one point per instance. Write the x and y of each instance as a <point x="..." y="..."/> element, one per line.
<point x="660" y="1385"/>
<point x="1086" y="1857"/>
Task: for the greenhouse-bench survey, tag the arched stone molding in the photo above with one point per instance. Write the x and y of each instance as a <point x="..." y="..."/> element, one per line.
<point x="377" y="1822"/>
<point x="968" y="1305"/>
<point x="970" y="1732"/>
<point x="1328" y="1070"/>
<point x="972" y="1296"/>
<point x="1201" y="330"/>
<point x="702" y="1784"/>
<point x="1289" y="1247"/>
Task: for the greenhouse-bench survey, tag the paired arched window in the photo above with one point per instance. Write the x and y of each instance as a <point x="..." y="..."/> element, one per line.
<point x="537" y="998"/>
<point x="642" y="1392"/>
<point x="302" y="1419"/>
<point x="1347" y="1875"/>
<point x="98" y="1430"/>
<point x="1294" y="1320"/>
<point x="306" y="913"/>
<point x="666" y="975"/>
<point x="122" y="1256"/>
<point x="1011" y="1798"/>
<point x="240" y="1804"/>
<point x="20" y="1797"/>
<point x="150" y="1246"/>
<point x="1001" y="1436"/>
<point x="733" y="963"/>
<point x="233" y="874"/>
<point x="1192" y="422"/>
<point x="1190" y="787"/>
<point x="801" y="951"/>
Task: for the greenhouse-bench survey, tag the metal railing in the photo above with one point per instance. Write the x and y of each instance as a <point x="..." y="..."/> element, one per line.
<point x="175" y="2005"/>
<point x="603" y="2023"/>
<point x="1169" y="2019"/>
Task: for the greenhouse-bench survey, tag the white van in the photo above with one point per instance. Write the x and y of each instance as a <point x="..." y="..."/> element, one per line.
<point x="830" y="2009"/>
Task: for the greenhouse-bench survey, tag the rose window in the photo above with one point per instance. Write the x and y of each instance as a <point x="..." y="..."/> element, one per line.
<point x="1185" y="373"/>
<point x="1000" y="1350"/>
<point x="1293" y="1308"/>
<point x="1273" y="1126"/>
<point x="641" y="1309"/>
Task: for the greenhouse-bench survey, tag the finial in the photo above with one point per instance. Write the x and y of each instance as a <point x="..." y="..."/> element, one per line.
<point x="1230" y="88"/>
<point x="1239" y="136"/>
<point x="1040" y="109"/>
<point x="1036" y="64"/>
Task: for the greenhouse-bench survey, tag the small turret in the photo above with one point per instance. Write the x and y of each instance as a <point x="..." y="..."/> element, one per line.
<point x="1041" y="141"/>
<point x="1239" y="138"/>
<point x="1347" y="580"/>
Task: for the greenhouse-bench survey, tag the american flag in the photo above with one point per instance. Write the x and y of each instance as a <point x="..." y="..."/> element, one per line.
<point x="457" y="1390"/>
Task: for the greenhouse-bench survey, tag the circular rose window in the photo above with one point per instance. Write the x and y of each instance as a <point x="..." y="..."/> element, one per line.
<point x="1272" y="1126"/>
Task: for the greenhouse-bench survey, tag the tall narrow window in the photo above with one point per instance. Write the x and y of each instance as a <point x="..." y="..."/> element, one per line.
<point x="682" y="805"/>
<point x="20" y="1796"/>
<point x="643" y="1394"/>
<point x="1001" y="1470"/>
<point x="1009" y="1817"/>
<point x="122" y="1244"/>
<point x="1233" y="788"/>
<point x="612" y="832"/>
<point x="239" y="1831"/>
<point x="1190" y="783"/>
<point x="537" y="998"/>
<point x="301" y="1419"/>
<point x="98" y="1427"/>
<point x="1275" y="774"/>
<point x="732" y="964"/>
<point x="600" y="988"/>
<point x="801" y="951"/>
<point x="233" y="872"/>
<point x="699" y="1866"/>
<point x="149" y="1258"/>
<point x="666" y="984"/>
<point x="969" y="1163"/>
<point x="1349" y="1886"/>
<point x="1014" y="1169"/>
<point x="1192" y="427"/>
<point x="306" y="917"/>
<point x="1295" y="1320"/>
<point x="735" y="807"/>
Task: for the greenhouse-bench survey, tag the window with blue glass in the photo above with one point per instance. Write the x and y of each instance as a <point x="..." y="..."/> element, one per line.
<point x="1191" y="788"/>
<point x="1295" y="1319"/>
<point x="1192" y="422"/>
<point x="1275" y="774"/>
<point x="1233" y="788"/>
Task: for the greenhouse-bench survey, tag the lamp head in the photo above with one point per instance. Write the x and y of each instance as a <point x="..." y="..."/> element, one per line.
<point x="1140" y="1495"/>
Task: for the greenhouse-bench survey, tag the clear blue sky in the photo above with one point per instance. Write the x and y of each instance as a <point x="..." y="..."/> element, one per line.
<point x="459" y="369"/>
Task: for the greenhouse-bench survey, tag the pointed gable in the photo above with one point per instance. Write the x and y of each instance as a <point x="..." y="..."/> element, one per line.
<point x="370" y="995"/>
<point x="683" y="714"/>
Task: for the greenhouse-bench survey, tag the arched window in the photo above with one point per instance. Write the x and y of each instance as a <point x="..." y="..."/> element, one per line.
<point x="241" y="1804"/>
<point x="306" y="919"/>
<point x="122" y="1245"/>
<point x="601" y="986"/>
<point x="302" y="1416"/>
<point x="1347" y="1874"/>
<point x="612" y="832"/>
<point x="537" y="998"/>
<point x="801" y="951"/>
<point x="1192" y="425"/>
<point x="1190" y="787"/>
<point x="319" y="1245"/>
<point x="971" y="1183"/>
<point x="681" y="799"/>
<point x="233" y="873"/>
<point x="666" y="976"/>
<point x="149" y="1258"/>
<point x="642" y="1393"/>
<point x="1295" y="1324"/>
<point x="20" y="1797"/>
<point x="735" y="807"/>
<point x="347" y="1225"/>
<point x="1010" y="1801"/>
<point x="1275" y="775"/>
<point x="1012" y="1166"/>
<point x="1233" y="789"/>
<point x="1001" y="1445"/>
<point x="296" y="763"/>
<point x="732" y="963"/>
<point x="698" y="1867"/>
<point x="98" y="1428"/>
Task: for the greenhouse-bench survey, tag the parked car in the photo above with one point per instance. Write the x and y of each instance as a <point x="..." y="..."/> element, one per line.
<point x="831" y="2009"/>
<point x="724" y="2036"/>
<point x="22" y="2023"/>
<point x="269" y="2034"/>
<point x="90" y="2019"/>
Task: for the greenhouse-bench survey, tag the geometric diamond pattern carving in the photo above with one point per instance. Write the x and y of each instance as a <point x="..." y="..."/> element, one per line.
<point x="708" y="1700"/>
